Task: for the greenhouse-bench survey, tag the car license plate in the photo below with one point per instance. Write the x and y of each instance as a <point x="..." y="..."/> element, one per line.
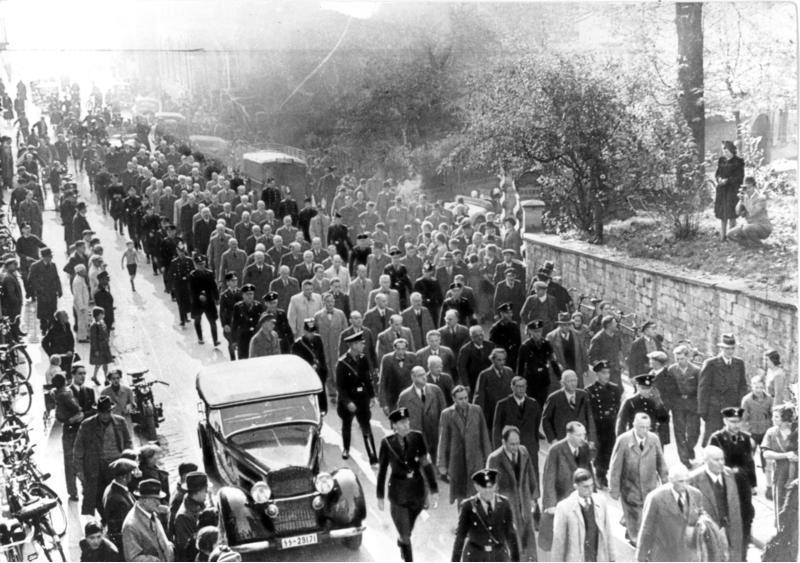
<point x="298" y="541"/>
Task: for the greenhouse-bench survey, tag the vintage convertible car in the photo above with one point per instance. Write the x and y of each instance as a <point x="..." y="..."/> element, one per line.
<point x="260" y="436"/>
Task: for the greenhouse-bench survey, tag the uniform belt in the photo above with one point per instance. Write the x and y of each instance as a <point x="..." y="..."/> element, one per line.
<point x="487" y="548"/>
<point x="405" y="476"/>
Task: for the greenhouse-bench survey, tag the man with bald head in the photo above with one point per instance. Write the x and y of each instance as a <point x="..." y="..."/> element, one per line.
<point x="259" y="273"/>
<point x="285" y="286"/>
<point x="565" y="405"/>
<point x="717" y="485"/>
<point x="637" y="468"/>
<point x="360" y="288"/>
<point x="394" y="331"/>
<point x="669" y="520"/>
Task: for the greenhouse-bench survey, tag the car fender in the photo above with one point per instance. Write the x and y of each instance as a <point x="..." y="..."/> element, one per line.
<point x="240" y="521"/>
<point x="346" y="503"/>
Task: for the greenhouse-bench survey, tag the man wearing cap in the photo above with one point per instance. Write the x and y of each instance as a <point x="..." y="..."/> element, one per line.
<point x="537" y="363"/>
<point x="176" y="499"/>
<point x="309" y="346"/>
<point x="359" y="256"/>
<point x="355" y="395"/>
<point x="244" y="320"/>
<point x="641" y="347"/>
<point x="339" y="236"/>
<point x="485" y="530"/>
<point x="179" y="270"/>
<point x="204" y="297"/>
<point x="721" y="383"/>
<point x="143" y="536"/>
<point x="637" y="468"/>
<point x="605" y="398"/>
<point x="69" y="413"/>
<point x="95" y="546"/>
<point x="168" y="251"/>
<point x="27" y="248"/>
<point x="265" y="341"/>
<point x="645" y="400"/>
<point x="398" y="276"/>
<point x="447" y="272"/>
<point x="737" y="448"/>
<point x="721" y="502"/>
<point x="227" y="300"/>
<point x="509" y="261"/>
<point x="555" y="289"/>
<point x="101" y="439"/>
<point x="357" y="325"/>
<point x="406" y="453"/>
<point x="677" y="386"/>
<point x="568" y="347"/>
<point x="431" y="291"/>
<point x="510" y="291"/>
<point x="45" y="286"/>
<point x="285" y="335"/>
<point x="606" y="345"/>
<point x="186" y="518"/>
<point x="506" y="333"/>
<point x="117" y="499"/>
<point x="11" y="296"/>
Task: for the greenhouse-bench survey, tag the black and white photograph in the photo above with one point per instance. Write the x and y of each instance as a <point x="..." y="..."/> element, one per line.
<point x="395" y="280"/>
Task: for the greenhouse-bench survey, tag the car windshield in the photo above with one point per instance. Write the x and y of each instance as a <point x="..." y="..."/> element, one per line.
<point x="268" y="412"/>
<point x="295" y="443"/>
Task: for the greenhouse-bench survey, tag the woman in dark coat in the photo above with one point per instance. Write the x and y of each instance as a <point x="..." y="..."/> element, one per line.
<point x="729" y="175"/>
<point x="60" y="340"/>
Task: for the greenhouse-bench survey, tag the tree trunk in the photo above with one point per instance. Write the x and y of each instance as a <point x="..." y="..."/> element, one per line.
<point x="689" y="24"/>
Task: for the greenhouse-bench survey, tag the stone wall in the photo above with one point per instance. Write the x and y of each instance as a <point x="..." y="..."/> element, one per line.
<point x="685" y="304"/>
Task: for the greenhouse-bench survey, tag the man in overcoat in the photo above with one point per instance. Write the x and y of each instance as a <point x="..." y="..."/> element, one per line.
<point x="45" y="287"/>
<point x="395" y="374"/>
<point x="721" y="383"/>
<point x="568" y="348"/>
<point x="463" y="444"/>
<point x="473" y="358"/>
<point x="117" y="499"/>
<point x="492" y="385"/>
<point x="637" y="467"/>
<point x="424" y="402"/>
<point x="565" y="405"/>
<point x="519" y="410"/>
<point x="418" y="320"/>
<point x="518" y="481"/>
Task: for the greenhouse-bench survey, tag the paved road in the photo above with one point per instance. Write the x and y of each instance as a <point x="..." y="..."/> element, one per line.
<point x="147" y="335"/>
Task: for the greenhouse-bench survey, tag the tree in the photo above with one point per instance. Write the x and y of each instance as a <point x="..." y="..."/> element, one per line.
<point x="689" y="24"/>
<point x="585" y="124"/>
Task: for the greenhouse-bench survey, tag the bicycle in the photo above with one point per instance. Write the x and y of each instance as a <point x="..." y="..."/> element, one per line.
<point x="32" y="512"/>
<point x="14" y="357"/>
<point x="16" y="396"/>
<point x="147" y="415"/>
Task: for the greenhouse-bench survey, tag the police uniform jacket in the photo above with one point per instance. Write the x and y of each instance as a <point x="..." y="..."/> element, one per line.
<point x="398" y="276"/>
<point x="353" y="383"/>
<point x="461" y="304"/>
<point x="408" y="470"/>
<point x="310" y="348"/>
<point x="339" y="236"/>
<point x="202" y="283"/>
<point x="180" y="268"/>
<point x="244" y="322"/>
<point x="504" y="293"/>
<point x="479" y="537"/>
<point x="432" y="295"/>
<point x="653" y="406"/>
<point x="738" y="450"/>
<point x="369" y="345"/>
<point x="507" y="335"/>
<point x="283" y="329"/>
<point x="605" y="401"/>
<point x="227" y="300"/>
<point x="536" y="364"/>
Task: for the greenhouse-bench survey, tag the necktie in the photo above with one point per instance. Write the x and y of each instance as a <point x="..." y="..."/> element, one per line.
<point x="422" y="394"/>
<point x="489" y="509"/>
<point x="641" y="446"/>
<point x="680" y="502"/>
<point x="572" y="402"/>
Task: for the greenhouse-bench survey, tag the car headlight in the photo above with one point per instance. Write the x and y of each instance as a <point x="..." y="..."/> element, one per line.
<point x="261" y="493"/>
<point x="324" y="483"/>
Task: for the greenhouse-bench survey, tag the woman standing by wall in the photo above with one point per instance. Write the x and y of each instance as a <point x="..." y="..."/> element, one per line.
<point x="729" y="175"/>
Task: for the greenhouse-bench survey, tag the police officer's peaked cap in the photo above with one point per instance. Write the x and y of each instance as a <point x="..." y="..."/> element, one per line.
<point x="732" y="412"/>
<point x="200" y="259"/>
<point x="485" y="477"/>
<point x="362" y="236"/>
<point x="509" y="251"/>
<point x="510" y="271"/>
<point x="271" y="296"/>
<point x="248" y="287"/>
<point x="310" y="325"/>
<point x="505" y="308"/>
<point x="122" y="466"/>
<point x="355" y="337"/>
<point x="659" y="356"/>
<point x="455" y="285"/>
<point x="266" y="317"/>
<point x="394" y="251"/>
<point x="535" y="324"/>
<point x="600" y="366"/>
<point x="398" y="414"/>
<point x="231" y="276"/>
<point x="539" y="285"/>
<point x="645" y="379"/>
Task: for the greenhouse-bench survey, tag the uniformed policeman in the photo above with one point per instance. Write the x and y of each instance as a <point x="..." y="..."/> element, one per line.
<point x="485" y="530"/>
<point x="244" y="324"/>
<point x="605" y="397"/>
<point x="360" y="253"/>
<point x="339" y="236"/>
<point x="398" y="276"/>
<point x="309" y="347"/>
<point x="205" y="295"/>
<point x="645" y="400"/>
<point x="505" y="333"/>
<point x="460" y="303"/>
<point x="405" y="452"/>
<point x="281" y="321"/>
<point x="179" y="270"/>
<point x="356" y="395"/>
<point x="230" y="297"/>
<point x="737" y="447"/>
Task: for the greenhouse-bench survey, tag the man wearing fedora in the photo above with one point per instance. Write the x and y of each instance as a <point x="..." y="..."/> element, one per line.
<point x="117" y="499"/>
<point x="45" y="286"/>
<point x="101" y="440"/>
<point x="186" y="519"/>
<point x="143" y="535"/>
<point x="721" y="383"/>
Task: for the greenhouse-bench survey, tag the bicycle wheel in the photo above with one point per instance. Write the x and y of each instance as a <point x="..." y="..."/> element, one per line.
<point x="13" y="431"/>
<point x="19" y="360"/>
<point x="57" y="517"/>
<point x="20" y="393"/>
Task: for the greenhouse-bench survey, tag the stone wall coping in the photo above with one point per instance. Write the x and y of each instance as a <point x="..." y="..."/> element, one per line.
<point x="710" y="281"/>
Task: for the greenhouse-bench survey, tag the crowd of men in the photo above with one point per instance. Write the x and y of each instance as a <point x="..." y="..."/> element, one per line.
<point x="388" y="296"/>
